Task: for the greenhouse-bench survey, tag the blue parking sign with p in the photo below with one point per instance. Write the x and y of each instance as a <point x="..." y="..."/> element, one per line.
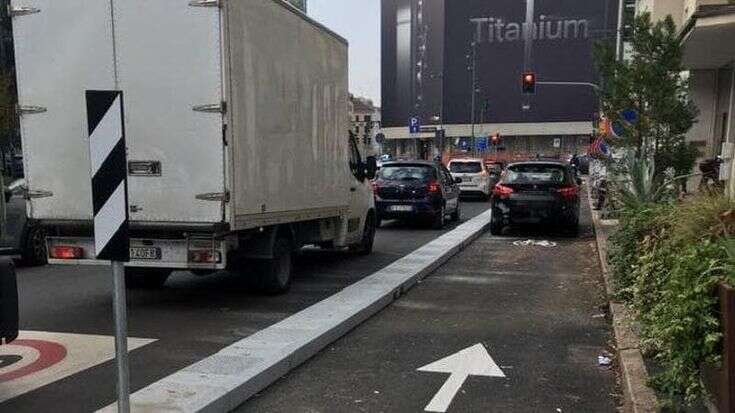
<point x="414" y="125"/>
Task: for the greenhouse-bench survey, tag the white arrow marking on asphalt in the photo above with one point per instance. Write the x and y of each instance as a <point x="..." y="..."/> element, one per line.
<point x="472" y="361"/>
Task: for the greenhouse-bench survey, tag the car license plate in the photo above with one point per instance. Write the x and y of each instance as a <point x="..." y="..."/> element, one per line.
<point x="145" y="253"/>
<point x="401" y="208"/>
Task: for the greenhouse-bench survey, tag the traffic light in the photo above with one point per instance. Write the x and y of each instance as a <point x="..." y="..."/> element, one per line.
<point x="495" y="139"/>
<point x="529" y="83"/>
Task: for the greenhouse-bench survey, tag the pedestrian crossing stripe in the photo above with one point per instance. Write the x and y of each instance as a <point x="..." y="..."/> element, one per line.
<point x="108" y="160"/>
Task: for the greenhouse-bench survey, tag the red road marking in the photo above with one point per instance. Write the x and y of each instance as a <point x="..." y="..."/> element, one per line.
<point x="50" y="353"/>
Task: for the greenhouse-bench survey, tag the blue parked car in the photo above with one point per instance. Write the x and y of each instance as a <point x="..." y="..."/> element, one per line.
<point x="417" y="190"/>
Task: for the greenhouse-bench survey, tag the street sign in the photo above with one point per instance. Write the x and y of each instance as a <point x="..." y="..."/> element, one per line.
<point x="414" y="125"/>
<point x="380" y="138"/>
<point x="109" y="174"/>
<point x="557" y="143"/>
<point x="630" y="116"/>
<point x="107" y="150"/>
<point x="481" y="144"/>
<point x="472" y="361"/>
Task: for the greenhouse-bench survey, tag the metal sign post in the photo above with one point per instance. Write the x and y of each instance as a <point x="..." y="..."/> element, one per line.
<point x="105" y="120"/>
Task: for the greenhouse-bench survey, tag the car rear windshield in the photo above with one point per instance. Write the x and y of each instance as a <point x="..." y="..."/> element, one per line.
<point x="465" y="167"/>
<point x="535" y="174"/>
<point x="406" y="173"/>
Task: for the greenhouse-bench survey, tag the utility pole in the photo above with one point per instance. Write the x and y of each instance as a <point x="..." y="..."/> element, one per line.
<point x="473" y="69"/>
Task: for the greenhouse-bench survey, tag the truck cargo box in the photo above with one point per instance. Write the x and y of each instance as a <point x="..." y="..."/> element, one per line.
<point x="235" y="111"/>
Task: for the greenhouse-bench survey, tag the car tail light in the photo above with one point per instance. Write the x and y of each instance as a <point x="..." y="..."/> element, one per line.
<point x="376" y="187"/>
<point x="568" y="192"/>
<point x="434" y="187"/>
<point x="65" y="252"/>
<point x="502" y="191"/>
<point x="207" y="256"/>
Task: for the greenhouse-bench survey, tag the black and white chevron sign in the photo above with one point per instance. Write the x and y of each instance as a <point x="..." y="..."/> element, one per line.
<point x="109" y="174"/>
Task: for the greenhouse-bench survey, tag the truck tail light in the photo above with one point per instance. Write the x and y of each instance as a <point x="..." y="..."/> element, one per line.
<point x="67" y="252"/>
<point x="502" y="191"/>
<point x="568" y="192"/>
<point x="207" y="256"/>
<point x="434" y="187"/>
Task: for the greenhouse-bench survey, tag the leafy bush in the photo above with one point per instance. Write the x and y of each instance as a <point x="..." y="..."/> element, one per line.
<point x="667" y="260"/>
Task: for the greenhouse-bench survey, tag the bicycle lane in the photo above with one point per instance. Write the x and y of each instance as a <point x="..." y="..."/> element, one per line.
<point x="520" y="325"/>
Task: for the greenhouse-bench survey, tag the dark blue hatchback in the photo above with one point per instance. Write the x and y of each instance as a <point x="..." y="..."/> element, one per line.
<point x="416" y="190"/>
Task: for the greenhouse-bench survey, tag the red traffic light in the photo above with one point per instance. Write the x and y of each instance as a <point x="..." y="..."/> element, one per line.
<point x="529" y="82"/>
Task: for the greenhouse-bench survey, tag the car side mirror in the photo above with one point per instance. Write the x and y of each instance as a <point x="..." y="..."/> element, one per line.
<point x="371" y="167"/>
<point x="8" y="302"/>
<point x="457" y="180"/>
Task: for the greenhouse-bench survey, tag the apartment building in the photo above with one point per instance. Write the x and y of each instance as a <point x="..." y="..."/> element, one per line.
<point x="707" y="33"/>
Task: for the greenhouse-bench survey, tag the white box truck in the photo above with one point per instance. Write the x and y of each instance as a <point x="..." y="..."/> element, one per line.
<point x="237" y="129"/>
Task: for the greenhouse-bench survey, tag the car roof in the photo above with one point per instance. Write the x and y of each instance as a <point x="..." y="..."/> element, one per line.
<point x="551" y="162"/>
<point x="466" y="160"/>
<point x="409" y="163"/>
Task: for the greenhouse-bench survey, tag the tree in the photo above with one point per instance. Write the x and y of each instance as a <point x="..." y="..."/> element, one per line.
<point x="654" y="84"/>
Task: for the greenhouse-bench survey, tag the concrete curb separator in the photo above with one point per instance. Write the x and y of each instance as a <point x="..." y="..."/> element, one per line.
<point x="225" y="380"/>
<point x="639" y="398"/>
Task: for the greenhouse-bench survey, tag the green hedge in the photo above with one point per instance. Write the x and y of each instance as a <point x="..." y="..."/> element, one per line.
<point x="667" y="260"/>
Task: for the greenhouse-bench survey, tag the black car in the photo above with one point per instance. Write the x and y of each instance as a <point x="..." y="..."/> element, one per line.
<point x="416" y="190"/>
<point x="21" y="237"/>
<point x="539" y="192"/>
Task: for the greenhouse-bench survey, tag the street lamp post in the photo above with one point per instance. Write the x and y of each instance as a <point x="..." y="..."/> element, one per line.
<point x="473" y="69"/>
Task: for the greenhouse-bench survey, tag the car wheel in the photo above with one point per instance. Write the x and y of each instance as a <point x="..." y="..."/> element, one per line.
<point x="365" y="247"/>
<point x="34" y="248"/>
<point x="496" y="225"/>
<point x="439" y="219"/>
<point x="146" y="278"/>
<point x="457" y="214"/>
<point x="572" y="230"/>
<point x="273" y="276"/>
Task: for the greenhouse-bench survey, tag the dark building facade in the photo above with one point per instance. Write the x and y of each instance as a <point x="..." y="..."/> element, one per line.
<point x="427" y="60"/>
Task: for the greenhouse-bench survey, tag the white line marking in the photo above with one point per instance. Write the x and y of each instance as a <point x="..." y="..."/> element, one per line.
<point x="472" y="361"/>
<point x="105" y="136"/>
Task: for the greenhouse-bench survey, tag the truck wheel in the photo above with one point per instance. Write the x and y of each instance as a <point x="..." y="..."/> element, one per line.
<point x="34" y="248"/>
<point x="365" y="247"/>
<point x="146" y="278"/>
<point x="273" y="276"/>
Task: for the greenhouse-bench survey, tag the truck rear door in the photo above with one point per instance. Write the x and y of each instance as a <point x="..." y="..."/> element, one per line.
<point x="62" y="48"/>
<point x="170" y="69"/>
<point x="165" y="56"/>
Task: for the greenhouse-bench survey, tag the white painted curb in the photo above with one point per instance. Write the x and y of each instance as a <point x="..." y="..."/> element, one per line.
<point x="225" y="380"/>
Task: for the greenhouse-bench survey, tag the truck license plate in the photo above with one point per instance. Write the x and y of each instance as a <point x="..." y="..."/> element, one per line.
<point x="401" y="208"/>
<point x="145" y="253"/>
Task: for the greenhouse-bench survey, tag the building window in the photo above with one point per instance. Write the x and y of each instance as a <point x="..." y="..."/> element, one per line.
<point x="368" y="118"/>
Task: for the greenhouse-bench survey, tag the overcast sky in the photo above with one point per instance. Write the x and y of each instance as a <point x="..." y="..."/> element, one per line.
<point x="359" y="22"/>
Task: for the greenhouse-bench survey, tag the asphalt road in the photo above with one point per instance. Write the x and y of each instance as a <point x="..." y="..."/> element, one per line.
<point x="535" y="309"/>
<point x="191" y="317"/>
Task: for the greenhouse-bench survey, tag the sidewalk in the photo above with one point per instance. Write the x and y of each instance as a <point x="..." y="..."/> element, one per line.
<point x="638" y="397"/>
